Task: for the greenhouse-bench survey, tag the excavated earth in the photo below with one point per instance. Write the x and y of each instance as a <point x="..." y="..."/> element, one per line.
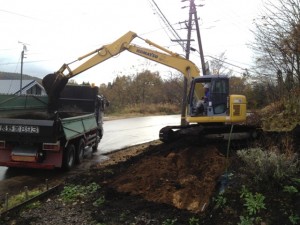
<point x="150" y="183"/>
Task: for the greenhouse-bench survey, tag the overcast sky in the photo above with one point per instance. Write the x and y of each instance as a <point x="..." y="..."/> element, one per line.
<point x="59" y="31"/>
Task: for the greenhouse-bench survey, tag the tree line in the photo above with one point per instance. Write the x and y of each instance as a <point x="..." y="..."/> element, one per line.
<point x="148" y="89"/>
<point x="143" y="90"/>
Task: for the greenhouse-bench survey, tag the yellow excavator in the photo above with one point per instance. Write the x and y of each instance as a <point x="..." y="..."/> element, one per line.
<point x="209" y="107"/>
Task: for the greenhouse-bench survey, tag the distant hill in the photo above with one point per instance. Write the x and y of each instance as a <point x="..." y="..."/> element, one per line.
<point x="16" y="76"/>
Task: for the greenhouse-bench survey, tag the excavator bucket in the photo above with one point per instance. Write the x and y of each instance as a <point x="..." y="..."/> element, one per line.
<point x="54" y="83"/>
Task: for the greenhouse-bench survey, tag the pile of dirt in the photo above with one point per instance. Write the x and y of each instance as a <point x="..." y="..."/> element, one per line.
<point x="185" y="178"/>
<point x="153" y="183"/>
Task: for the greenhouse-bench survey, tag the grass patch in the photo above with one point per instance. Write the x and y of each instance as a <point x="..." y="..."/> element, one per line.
<point x="20" y="198"/>
<point x="146" y="109"/>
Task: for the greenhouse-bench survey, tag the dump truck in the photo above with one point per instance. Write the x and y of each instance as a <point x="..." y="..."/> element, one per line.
<point x="32" y="136"/>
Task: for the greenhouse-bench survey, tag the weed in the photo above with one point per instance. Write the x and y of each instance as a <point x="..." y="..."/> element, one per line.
<point x="99" y="202"/>
<point x="169" y="222"/>
<point x="194" y="221"/>
<point x="220" y="201"/>
<point x="294" y="219"/>
<point x="290" y="189"/>
<point x="108" y="171"/>
<point x="296" y="180"/>
<point x="73" y="192"/>
<point x="93" y="187"/>
<point x="253" y="202"/>
<point x="123" y="215"/>
<point x="246" y="220"/>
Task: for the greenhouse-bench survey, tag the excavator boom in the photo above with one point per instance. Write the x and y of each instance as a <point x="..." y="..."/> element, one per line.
<point x="55" y="83"/>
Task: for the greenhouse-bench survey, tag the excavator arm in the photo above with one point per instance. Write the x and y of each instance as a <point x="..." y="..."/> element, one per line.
<point x="170" y="59"/>
<point x="55" y="83"/>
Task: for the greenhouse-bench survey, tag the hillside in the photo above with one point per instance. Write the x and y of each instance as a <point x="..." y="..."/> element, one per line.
<point x="16" y="76"/>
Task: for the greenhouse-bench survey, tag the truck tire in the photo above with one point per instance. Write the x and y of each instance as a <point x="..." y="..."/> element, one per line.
<point x="69" y="157"/>
<point x="95" y="146"/>
<point x="80" y="151"/>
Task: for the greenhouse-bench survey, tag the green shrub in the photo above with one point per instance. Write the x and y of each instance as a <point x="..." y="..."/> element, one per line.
<point x="268" y="167"/>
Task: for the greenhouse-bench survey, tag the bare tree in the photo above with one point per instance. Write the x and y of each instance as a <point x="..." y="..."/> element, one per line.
<point x="277" y="41"/>
<point x="218" y="66"/>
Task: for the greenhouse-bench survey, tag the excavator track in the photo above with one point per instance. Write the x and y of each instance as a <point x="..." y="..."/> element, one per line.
<point x="208" y="131"/>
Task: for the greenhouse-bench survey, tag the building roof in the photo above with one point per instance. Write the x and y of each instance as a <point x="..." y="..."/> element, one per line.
<point x="13" y="86"/>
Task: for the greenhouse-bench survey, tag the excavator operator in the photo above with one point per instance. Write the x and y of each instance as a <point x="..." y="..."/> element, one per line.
<point x="201" y="105"/>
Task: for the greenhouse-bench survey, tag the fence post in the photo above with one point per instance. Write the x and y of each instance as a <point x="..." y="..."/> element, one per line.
<point x="6" y="201"/>
<point x="26" y="192"/>
<point x="47" y="185"/>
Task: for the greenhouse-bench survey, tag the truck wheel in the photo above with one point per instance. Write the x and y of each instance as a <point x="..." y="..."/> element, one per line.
<point x="69" y="157"/>
<point x="95" y="146"/>
<point x="80" y="151"/>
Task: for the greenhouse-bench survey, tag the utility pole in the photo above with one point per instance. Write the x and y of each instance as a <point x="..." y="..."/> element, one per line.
<point x="199" y="39"/>
<point x="192" y="12"/>
<point x="187" y="56"/>
<point x="22" y="58"/>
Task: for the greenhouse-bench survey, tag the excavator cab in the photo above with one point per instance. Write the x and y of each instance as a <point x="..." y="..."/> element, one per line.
<point x="217" y="106"/>
<point x="209" y="96"/>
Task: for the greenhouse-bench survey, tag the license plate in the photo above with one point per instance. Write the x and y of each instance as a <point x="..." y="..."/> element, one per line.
<point x="20" y="129"/>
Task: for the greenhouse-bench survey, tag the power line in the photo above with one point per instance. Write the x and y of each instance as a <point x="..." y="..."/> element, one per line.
<point x="225" y="62"/>
<point x="27" y="62"/>
<point x="168" y="25"/>
<point x="18" y="14"/>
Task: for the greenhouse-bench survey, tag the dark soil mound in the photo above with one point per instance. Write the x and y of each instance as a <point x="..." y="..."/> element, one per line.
<point x="184" y="178"/>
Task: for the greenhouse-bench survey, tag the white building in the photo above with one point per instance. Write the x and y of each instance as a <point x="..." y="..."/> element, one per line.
<point x="29" y="87"/>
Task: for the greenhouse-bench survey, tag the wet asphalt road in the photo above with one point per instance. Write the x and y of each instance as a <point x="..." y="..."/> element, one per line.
<point x="117" y="134"/>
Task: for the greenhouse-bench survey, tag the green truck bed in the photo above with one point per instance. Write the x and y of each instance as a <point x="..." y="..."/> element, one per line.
<point x="76" y="126"/>
<point x="14" y="105"/>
